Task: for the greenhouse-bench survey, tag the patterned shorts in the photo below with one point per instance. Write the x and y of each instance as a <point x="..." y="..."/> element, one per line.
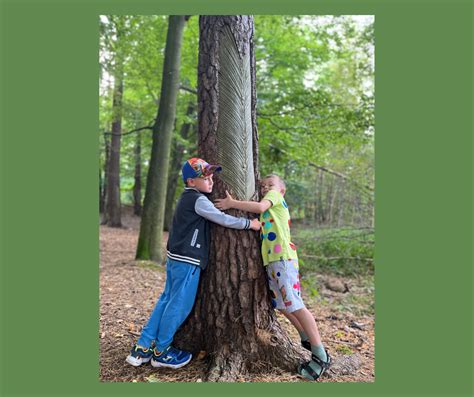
<point x="284" y="282"/>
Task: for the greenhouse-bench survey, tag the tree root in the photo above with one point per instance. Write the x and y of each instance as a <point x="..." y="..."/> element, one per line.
<point x="226" y="368"/>
<point x="231" y="364"/>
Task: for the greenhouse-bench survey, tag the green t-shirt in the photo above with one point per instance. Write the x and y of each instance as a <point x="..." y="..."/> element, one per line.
<point x="275" y="232"/>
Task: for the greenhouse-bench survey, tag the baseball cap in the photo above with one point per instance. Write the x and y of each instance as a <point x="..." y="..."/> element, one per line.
<point x="196" y="167"/>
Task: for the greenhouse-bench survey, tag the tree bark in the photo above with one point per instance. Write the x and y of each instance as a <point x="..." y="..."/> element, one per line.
<point x="137" y="187"/>
<point x="233" y="320"/>
<point x="151" y="226"/>
<point x="112" y="204"/>
<point x="104" y="180"/>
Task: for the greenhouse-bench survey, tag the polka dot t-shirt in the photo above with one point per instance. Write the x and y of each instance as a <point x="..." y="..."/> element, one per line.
<point x="275" y="230"/>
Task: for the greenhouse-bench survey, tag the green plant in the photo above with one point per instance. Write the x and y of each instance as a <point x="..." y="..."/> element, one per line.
<point x="342" y="251"/>
<point x="344" y="349"/>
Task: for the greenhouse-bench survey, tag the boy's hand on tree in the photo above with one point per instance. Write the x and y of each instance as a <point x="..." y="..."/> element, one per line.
<point x="226" y="203"/>
<point x="255" y="224"/>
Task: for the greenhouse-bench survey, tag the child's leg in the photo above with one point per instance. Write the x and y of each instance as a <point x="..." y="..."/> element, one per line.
<point x="284" y="284"/>
<point x="308" y="324"/>
<point x="181" y="300"/>
<point x="294" y="321"/>
<point x="319" y="359"/>
<point x="151" y="328"/>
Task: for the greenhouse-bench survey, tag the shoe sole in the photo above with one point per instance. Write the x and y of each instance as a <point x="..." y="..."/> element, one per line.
<point x="158" y="364"/>
<point x="136" y="362"/>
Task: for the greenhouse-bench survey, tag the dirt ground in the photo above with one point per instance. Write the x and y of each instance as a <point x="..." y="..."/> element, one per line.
<point x="129" y="290"/>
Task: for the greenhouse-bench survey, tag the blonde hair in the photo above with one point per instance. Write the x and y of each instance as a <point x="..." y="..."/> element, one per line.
<point x="282" y="182"/>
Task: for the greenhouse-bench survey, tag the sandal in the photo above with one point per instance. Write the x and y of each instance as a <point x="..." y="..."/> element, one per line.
<point x="306" y="344"/>
<point x="323" y="364"/>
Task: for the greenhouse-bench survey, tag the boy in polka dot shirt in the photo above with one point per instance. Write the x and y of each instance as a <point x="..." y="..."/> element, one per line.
<point x="281" y="262"/>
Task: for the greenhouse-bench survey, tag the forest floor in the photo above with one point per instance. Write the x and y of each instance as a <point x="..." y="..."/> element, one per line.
<point x="129" y="290"/>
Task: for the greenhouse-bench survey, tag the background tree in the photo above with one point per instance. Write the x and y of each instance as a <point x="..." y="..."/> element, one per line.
<point x="179" y="145"/>
<point x="233" y="319"/>
<point x="315" y="112"/>
<point x="137" y="187"/>
<point x="151" y="227"/>
<point x="112" y="196"/>
<point x="316" y="108"/>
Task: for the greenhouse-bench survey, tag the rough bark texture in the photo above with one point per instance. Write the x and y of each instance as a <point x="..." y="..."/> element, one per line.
<point x="151" y="227"/>
<point x="233" y="320"/>
<point x="103" y="176"/>
<point x="112" y="203"/>
<point x="137" y="187"/>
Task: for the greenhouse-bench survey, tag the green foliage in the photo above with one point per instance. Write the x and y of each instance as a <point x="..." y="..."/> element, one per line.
<point x="309" y="284"/>
<point x="126" y="190"/>
<point x="315" y="89"/>
<point x="344" y="251"/>
<point x="315" y="104"/>
<point x="343" y="349"/>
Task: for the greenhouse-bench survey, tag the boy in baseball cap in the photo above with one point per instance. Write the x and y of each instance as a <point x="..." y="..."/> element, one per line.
<point x="187" y="254"/>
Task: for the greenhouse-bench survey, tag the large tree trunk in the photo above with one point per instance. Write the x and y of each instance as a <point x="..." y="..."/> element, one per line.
<point x="177" y="158"/>
<point x="151" y="226"/>
<point x="233" y="319"/>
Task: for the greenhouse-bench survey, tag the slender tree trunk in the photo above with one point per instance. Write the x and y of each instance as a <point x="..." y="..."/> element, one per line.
<point x="177" y="158"/>
<point x="112" y="205"/>
<point x="106" y="176"/>
<point x="341" y="204"/>
<point x="101" y="190"/>
<point x="151" y="226"/>
<point x="233" y="319"/>
<point x="137" y="187"/>
<point x="332" y="198"/>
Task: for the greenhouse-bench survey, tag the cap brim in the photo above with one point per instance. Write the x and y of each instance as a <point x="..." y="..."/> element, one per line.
<point x="211" y="169"/>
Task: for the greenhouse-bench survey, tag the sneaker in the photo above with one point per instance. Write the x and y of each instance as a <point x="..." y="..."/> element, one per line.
<point x="170" y="357"/>
<point x="139" y="355"/>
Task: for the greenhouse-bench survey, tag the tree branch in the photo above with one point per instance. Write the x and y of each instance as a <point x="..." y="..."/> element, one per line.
<point x="317" y="105"/>
<point x="338" y="174"/>
<point x="188" y="89"/>
<point x="337" y="257"/>
<point x="148" y="127"/>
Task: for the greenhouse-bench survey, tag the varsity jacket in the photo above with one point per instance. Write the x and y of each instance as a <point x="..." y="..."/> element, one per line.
<point x="189" y="238"/>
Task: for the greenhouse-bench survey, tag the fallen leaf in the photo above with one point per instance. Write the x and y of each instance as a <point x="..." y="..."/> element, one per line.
<point x="151" y="379"/>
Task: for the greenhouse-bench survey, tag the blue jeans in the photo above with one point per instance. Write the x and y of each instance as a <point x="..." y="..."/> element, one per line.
<point x="174" y="305"/>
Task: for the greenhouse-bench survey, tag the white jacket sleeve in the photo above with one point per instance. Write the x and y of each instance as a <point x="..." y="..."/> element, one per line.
<point x="206" y="209"/>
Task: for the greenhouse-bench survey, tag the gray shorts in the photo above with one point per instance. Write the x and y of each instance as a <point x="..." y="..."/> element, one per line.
<point x="284" y="282"/>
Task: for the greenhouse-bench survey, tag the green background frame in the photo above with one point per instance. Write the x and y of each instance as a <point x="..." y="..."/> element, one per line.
<point x="49" y="198"/>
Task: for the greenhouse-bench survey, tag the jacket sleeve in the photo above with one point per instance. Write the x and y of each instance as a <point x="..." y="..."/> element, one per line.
<point x="206" y="209"/>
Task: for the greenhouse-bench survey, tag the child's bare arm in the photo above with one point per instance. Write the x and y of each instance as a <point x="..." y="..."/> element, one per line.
<point x="257" y="207"/>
